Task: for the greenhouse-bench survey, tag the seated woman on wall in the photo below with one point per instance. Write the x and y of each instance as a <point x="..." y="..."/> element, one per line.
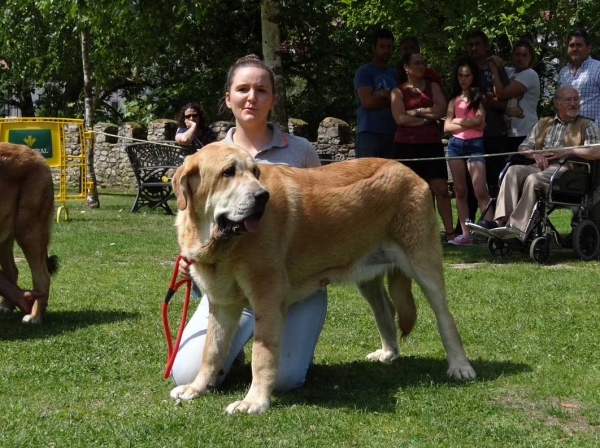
<point x="191" y="128"/>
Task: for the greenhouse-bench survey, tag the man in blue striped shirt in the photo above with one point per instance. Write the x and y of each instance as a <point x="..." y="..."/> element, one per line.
<point x="582" y="73"/>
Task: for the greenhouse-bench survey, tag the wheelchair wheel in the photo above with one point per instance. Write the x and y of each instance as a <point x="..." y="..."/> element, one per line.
<point x="539" y="251"/>
<point x="586" y="240"/>
<point x="498" y="248"/>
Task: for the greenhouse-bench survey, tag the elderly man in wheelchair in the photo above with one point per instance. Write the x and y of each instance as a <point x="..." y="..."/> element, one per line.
<point x="557" y="174"/>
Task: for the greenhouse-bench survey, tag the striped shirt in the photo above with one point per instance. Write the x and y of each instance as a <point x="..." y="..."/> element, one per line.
<point x="587" y="82"/>
<point x="556" y="133"/>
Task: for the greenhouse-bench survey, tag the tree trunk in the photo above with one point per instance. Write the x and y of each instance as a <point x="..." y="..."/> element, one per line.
<point x="271" y="46"/>
<point x="92" y="199"/>
<point x="26" y="105"/>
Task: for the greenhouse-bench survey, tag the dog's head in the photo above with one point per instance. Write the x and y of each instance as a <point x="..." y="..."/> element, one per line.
<point x="219" y="185"/>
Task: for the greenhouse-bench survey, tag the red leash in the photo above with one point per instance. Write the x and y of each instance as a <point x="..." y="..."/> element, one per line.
<point x="173" y="287"/>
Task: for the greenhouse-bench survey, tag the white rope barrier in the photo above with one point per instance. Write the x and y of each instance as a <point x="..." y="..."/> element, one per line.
<point x="136" y="139"/>
<point x="502" y="154"/>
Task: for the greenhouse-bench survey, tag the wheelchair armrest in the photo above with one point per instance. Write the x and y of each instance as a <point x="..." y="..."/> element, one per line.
<point x="574" y="159"/>
<point x="574" y="163"/>
<point x="570" y="182"/>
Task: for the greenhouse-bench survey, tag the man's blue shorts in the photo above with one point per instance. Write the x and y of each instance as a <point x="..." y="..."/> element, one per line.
<point x="472" y="148"/>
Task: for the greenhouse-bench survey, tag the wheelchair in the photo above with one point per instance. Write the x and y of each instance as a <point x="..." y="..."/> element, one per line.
<point x="577" y="188"/>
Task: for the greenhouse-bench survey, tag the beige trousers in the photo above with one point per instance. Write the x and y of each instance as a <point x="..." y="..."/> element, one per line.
<point x="523" y="179"/>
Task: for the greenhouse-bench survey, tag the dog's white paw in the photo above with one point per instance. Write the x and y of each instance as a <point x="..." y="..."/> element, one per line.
<point x="385" y="356"/>
<point x="250" y="407"/>
<point x="463" y="372"/>
<point x="29" y="319"/>
<point x="185" y="392"/>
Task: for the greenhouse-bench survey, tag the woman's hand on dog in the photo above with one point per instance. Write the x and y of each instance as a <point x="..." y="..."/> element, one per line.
<point x="184" y="268"/>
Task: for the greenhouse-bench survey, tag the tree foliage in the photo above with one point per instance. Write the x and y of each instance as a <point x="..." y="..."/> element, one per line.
<point x="160" y="54"/>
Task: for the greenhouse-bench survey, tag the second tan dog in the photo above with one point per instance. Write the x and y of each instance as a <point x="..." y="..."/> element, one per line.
<point x="271" y="235"/>
<point x="26" y="212"/>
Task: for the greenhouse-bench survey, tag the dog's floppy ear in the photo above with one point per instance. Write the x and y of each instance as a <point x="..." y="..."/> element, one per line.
<point x="180" y="184"/>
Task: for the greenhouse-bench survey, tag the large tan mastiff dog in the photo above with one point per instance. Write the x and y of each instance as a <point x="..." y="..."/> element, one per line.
<point x="271" y="235"/>
<point x="26" y="209"/>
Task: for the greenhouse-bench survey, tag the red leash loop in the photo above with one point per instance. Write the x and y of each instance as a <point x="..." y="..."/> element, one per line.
<point x="173" y="287"/>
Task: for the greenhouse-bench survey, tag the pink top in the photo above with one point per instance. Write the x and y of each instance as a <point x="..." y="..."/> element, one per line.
<point x="460" y="111"/>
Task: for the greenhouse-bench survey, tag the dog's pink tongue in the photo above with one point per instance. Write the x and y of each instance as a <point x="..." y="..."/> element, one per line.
<point x="252" y="224"/>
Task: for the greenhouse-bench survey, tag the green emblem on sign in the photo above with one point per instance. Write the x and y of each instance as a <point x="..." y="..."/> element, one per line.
<point x="38" y="139"/>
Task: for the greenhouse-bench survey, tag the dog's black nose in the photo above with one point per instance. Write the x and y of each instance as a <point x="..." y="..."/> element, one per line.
<point x="261" y="197"/>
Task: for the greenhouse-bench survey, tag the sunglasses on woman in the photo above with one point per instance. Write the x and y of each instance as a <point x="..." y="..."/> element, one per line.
<point x="187" y="117"/>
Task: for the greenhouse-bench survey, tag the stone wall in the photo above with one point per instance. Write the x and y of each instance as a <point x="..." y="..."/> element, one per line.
<point x="113" y="169"/>
<point x="333" y="141"/>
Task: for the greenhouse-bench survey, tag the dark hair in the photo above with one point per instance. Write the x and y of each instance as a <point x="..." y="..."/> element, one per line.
<point x="250" y="60"/>
<point x="526" y="44"/>
<point x="404" y="60"/>
<point x="474" y="34"/>
<point x="475" y="96"/>
<point x="381" y="33"/>
<point x="580" y="32"/>
<point x="409" y="38"/>
<point x="198" y="108"/>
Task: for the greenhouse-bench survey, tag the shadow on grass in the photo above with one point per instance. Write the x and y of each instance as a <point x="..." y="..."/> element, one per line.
<point x="478" y="253"/>
<point x="371" y="386"/>
<point x="57" y="323"/>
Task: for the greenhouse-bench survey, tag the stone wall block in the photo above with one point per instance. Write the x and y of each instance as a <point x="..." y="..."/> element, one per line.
<point x="162" y="130"/>
<point x="220" y="128"/>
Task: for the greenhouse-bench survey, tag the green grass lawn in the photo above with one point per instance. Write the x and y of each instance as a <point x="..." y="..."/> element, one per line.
<point x="91" y="375"/>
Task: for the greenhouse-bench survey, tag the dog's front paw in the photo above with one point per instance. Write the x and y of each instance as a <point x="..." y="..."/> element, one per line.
<point x="463" y="372"/>
<point x="30" y="319"/>
<point x="385" y="356"/>
<point x="187" y="392"/>
<point x="251" y="407"/>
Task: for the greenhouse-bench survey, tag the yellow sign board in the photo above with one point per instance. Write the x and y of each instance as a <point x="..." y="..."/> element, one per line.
<point x="47" y="136"/>
<point x="43" y="137"/>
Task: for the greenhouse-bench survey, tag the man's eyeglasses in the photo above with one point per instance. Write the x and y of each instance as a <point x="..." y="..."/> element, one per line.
<point x="574" y="99"/>
<point x="187" y="117"/>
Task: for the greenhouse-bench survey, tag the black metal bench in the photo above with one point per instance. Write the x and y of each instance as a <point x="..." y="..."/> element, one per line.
<point x="153" y="165"/>
<point x="326" y="158"/>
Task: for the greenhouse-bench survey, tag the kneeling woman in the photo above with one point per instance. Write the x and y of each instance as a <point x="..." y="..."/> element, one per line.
<point x="250" y="96"/>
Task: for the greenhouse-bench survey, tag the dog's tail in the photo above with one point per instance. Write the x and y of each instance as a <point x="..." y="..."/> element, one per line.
<point x="52" y="263"/>
<point x="399" y="286"/>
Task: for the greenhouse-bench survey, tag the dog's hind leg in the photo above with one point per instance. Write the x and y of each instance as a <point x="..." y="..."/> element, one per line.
<point x="9" y="270"/>
<point x="35" y="251"/>
<point x="430" y="277"/>
<point x="33" y="225"/>
<point x="41" y="282"/>
<point x="383" y="310"/>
